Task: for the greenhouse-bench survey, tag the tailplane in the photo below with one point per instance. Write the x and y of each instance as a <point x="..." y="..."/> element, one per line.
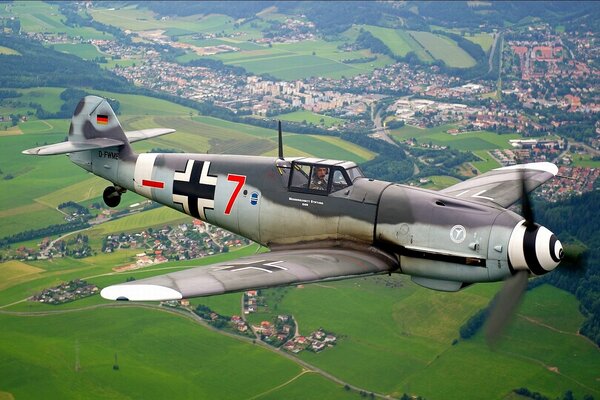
<point x="95" y="126"/>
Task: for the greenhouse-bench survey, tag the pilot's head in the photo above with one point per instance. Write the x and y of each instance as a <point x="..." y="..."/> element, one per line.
<point x="321" y="172"/>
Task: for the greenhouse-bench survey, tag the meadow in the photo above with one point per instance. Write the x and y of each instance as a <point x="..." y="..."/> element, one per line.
<point x="311" y="118"/>
<point x="479" y="140"/>
<point x="402" y="338"/>
<point x="445" y="49"/>
<point x="37" y="16"/>
<point x="487" y="161"/>
<point x="82" y="50"/>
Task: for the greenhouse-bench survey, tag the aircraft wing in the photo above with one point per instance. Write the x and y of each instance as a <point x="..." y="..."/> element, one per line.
<point x="136" y="136"/>
<point x="276" y="268"/>
<point x="502" y="186"/>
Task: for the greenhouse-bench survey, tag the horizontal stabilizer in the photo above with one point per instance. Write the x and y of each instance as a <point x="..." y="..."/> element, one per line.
<point x="72" y="147"/>
<point x="136" y="136"/>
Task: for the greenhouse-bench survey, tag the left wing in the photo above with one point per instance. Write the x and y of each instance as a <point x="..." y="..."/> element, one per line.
<point x="277" y="268"/>
<point x="502" y="186"/>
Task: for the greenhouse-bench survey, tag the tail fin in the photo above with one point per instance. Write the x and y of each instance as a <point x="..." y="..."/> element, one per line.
<point x="94" y="126"/>
<point x="93" y="119"/>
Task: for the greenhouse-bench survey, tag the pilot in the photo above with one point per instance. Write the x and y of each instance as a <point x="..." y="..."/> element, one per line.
<point x="319" y="179"/>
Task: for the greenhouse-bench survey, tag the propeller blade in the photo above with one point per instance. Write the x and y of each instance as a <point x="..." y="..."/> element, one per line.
<point x="504" y="306"/>
<point x="527" y="210"/>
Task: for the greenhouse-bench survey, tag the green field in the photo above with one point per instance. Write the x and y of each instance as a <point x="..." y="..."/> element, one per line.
<point x="480" y="140"/>
<point x="584" y="160"/>
<point x="190" y="363"/>
<point x="310" y="117"/>
<point x="291" y="61"/>
<point x="396" y="39"/>
<point x="439" y="182"/>
<point x="444" y="48"/>
<point x="384" y="331"/>
<point x="82" y="50"/>
<point x="487" y="162"/>
<point x="37" y="16"/>
<point x="139" y="19"/>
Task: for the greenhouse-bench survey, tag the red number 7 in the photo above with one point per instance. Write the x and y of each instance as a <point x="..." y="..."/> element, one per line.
<point x="240" y="179"/>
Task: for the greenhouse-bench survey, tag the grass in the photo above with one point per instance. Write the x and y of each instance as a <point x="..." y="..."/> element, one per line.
<point x="322" y="148"/>
<point x="584" y="160"/>
<point x="382" y="330"/>
<point x="136" y="222"/>
<point x="82" y="50"/>
<point x="8" y="51"/>
<point x="480" y="140"/>
<point x="37" y="16"/>
<point x="310" y="117"/>
<point x="439" y="182"/>
<point x="487" y="162"/>
<point x="12" y="272"/>
<point x="397" y="41"/>
<point x="445" y="49"/>
<point x="43" y="360"/>
<point x="304" y="59"/>
<point x="485" y="40"/>
<point x="47" y="97"/>
<point x="309" y="386"/>
<point x="139" y="19"/>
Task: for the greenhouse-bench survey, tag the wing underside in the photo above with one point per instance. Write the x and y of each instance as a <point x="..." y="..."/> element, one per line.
<point x="502" y="186"/>
<point x="277" y="268"/>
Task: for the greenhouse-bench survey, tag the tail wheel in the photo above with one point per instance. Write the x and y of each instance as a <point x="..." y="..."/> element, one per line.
<point x="111" y="196"/>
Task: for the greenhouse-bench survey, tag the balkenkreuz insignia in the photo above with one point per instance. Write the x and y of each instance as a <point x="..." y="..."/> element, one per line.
<point x="194" y="188"/>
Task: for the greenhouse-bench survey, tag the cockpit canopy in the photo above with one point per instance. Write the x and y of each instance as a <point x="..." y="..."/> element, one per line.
<point x="320" y="176"/>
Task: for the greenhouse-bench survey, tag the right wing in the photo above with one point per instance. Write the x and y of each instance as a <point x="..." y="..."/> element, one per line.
<point x="502" y="186"/>
<point x="277" y="268"/>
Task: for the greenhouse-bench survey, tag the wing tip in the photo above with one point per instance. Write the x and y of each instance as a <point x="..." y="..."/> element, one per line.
<point x="543" y="166"/>
<point x="140" y="292"/>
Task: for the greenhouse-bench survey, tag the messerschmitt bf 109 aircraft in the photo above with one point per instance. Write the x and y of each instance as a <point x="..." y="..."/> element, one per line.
<point x="322" y="219"/>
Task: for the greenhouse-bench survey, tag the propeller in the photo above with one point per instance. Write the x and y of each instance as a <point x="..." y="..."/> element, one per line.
<point x="504" y="305"/>
<point x="506" y="301"/>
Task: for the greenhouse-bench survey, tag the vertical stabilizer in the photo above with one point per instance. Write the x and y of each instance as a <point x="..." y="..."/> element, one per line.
<point x="93" y="119"/>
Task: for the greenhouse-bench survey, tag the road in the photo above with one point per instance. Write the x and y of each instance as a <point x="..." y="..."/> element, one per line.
<point x="192" y="316"/>
<point x="46" y="251"/>
<point x="380" y="131"/>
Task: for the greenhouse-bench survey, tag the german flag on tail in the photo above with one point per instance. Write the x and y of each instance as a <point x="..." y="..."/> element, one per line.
<point x="102" y="119"/>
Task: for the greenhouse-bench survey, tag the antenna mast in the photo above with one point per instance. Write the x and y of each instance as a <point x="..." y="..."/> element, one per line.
<point x="280" y="141"/>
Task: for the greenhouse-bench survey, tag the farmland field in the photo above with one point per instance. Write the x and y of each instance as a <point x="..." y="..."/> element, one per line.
<point x="400" y="351"/>
<point x="37" y="16"/>
<point x="487" y="161"/>
<point x="304" y="59"/>
<point x="439" y="182"/>
<point x="82" y="50"/>
<point x="445" y="49"/>
<point x="395" y="39"/>
<point x="310" y="117"/>
<point x="145" y="358"/>
<point x="480" y="140"/>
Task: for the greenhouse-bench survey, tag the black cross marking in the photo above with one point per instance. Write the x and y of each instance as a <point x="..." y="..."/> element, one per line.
<point x="197" y="194"/>
<point x="257" y="265"/>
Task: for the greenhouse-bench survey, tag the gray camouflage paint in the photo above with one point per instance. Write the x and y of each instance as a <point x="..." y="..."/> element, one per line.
<point x="413" y="225"/>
